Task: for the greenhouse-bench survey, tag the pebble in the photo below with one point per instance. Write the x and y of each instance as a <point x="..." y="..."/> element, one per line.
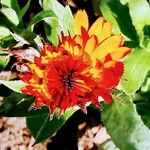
<point x="16" y="136"/>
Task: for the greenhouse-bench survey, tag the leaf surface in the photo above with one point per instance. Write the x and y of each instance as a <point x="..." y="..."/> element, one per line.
<point x="3" y="62"/>
<point x="15" y="85"/>
<point x="11" y="15"/>
<point x="137" y="66"/>
<point x="42" y="127"/>
<point x="124" y="124"/>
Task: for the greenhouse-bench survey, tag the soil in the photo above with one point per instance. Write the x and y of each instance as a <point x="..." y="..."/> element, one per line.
<point x="14" y="135"/>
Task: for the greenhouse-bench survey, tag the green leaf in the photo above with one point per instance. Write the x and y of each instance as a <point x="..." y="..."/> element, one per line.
<point x="4" y="32"/>
<point x="68" y="20"/>
<point x="19" y="105"/>
<point x="4" y="91"/>
<point x="52" y="29"/>
<point x="22" y="12"/>
<point x="27" y="36"/>
<point x="3" y="62"/>
<point x="11" y="4"/>
<point x="10" y="102"/>
<point x="145" y="37"/>
<point x="42" y="128"/>
<point x="21" y="41"/>
<point x="124" y="125"/>
<point x="15" y="85"/>
<point x="64" y="16"/>
<point x="11" y="15"/>
<point x="38" y="41"/>
<point x="41" y="16"/>
<point x="53" y="5"/>
<point x="53" y="26"/>
<point x="40" y="2"/>
<point x="137" y="66"/>
<point x="142" y="102"/>
<point x="6" y="42"/>
<point x="146" y="85"/>
<point x="118" y="14"/>
<point x="139" y="10"/>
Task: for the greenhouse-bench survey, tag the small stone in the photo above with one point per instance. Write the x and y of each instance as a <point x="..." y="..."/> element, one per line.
<point x="101" y="136"/>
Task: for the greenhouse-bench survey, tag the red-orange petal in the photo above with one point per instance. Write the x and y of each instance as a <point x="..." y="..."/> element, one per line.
<point x="110" y="76"/>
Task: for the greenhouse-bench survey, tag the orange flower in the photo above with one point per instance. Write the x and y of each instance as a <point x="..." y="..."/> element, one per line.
<point x="79" y="69"/>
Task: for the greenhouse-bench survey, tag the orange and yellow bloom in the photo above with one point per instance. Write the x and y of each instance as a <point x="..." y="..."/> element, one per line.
<point x="80" y="69"/>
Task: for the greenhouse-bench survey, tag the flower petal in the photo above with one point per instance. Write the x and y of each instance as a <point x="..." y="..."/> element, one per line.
<point x="110" y="76"/>
<point x="100" y="91"/>
<point x="34" y="68"/>
<point x="80" y="69"/>
<point x="106" y="31"/>
<point x="96" y="28"/>
<point x="91" y="44"/>
<point x="120" y="52"/>
<point x="107" y="46"/>
<point x="81" y="20"/>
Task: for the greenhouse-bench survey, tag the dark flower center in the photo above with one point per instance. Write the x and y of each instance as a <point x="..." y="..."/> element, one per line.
<point x="69" y="80"/>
